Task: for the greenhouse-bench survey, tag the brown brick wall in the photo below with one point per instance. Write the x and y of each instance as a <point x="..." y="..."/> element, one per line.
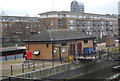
<point x="48" y="23"/>
<point x="45" y="52"/>
<point x="89" y="44"/>
<point x="109" y="42"/>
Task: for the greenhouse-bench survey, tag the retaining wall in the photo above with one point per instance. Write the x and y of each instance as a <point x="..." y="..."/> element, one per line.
<point x="67" y="70"/>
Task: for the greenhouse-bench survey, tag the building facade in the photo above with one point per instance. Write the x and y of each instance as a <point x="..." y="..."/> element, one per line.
<point x="17" y="28"/>
<point x="119" y="20"/>
<point x="56" y="44"/>
<point x="97" y="25"/>
<point x="77" y="6"/>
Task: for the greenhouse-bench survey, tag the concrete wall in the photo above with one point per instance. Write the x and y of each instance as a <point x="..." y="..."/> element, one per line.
<point x="68" y="70"/>
<point x="46" y="72"/>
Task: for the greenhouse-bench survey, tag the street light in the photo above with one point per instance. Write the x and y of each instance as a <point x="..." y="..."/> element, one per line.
<point x="28" y="44"/>
<point x="28" y="38"/>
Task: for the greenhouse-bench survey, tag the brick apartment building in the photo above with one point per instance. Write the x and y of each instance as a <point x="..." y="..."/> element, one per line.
<point x="119" y="20"/>
<point x="17" y="28"/>
<point x="98" y="25"/>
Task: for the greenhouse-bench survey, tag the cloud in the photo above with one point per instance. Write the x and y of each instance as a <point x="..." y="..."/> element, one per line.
<point x="34" y="7"/>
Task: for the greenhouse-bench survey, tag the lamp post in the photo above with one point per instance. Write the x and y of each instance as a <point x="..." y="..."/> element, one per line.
<point x="28" y="44"/>
<point x="28" y="37"/>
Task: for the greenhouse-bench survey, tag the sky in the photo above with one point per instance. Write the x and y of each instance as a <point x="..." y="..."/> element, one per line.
<point x="34" y="7"/>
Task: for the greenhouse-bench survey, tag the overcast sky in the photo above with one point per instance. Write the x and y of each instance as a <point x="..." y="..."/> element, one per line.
<point x="34" y="7"/>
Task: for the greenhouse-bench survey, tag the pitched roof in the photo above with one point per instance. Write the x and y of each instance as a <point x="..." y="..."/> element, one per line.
<point x="58" y="35"/>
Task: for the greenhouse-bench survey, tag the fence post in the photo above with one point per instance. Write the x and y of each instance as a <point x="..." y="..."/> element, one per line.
<point x="6" y="57"/>
<point x="11" y="71"/>
<point x="22" y="68"/>
<point x="28" y="63"/>
<point x="34" y="65"/>
<point x="9" y="78"/>
<point x="108" y="54"/>
<point x="43" y="64"/>
<point x="60" y="54"/>
<point x="15" y="57"/>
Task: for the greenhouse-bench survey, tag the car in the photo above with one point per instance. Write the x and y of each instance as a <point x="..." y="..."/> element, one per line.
<point x="117" y="68"/>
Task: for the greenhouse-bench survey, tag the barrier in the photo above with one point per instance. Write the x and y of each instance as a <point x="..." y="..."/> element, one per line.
<point x="65" y="70"/>
<point x="45" y="72"/>
<point x="11" y="57"/>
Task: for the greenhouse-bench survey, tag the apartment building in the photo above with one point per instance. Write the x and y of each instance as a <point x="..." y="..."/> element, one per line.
<point x="17" y="28"/>
<point x="97" y="25"/>
<point x="119" y="20"/>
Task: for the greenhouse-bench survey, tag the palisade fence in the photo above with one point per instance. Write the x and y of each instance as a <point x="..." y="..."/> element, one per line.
<point x="28" y="66"/>
<point x="57" y="68"/>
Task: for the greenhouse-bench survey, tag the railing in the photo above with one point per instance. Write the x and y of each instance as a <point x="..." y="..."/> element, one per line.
<point x="11" y="57"/>
<point x="18" y="66"/>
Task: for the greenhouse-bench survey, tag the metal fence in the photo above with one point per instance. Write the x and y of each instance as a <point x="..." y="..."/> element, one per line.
<point x="11" y="57"/>
<point x="26" y="79"/>
<point x="27" y="66"/>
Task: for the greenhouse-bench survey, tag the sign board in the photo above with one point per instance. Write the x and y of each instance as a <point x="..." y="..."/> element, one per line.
<point x="29" y="55"/>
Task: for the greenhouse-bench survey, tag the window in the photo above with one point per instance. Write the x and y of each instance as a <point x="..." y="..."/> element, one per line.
<point x="6" y="24"/>
<point x="85" y="41"/>
<point x="102" y="28"/>
<point x="71" y="22"/>
<point x="111" y="28"/>
<point x="64" y="50"/>
<point x="72" y="28"/>
<point x="47" y="45"/>
<point x="88" y="23"/>
<point x="102" y="23"/>
<point x="110" y="23"/>
<point x="89" y="28"/>
<point x="64" y="44"/>
<point x="36" y="52"/>
<point x="78" y="22"/>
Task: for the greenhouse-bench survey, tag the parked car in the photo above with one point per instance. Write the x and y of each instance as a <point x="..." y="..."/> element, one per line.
<point x="117" y="68"/>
